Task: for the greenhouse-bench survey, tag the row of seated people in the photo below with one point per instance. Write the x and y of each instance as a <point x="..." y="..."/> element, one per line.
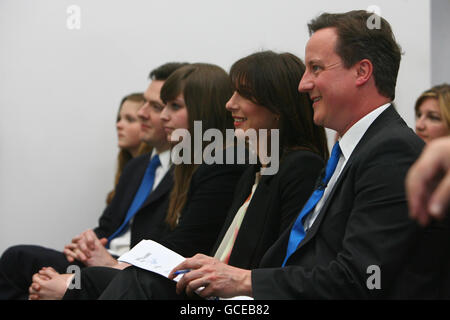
<point x="311" y="230"/>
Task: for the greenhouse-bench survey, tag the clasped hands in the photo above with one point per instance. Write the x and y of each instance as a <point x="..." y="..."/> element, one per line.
<point x="217" y="278"/>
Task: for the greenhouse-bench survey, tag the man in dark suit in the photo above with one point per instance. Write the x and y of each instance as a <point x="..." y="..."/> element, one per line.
<point x="19" y="263"/>
<point x="356" y="241"/>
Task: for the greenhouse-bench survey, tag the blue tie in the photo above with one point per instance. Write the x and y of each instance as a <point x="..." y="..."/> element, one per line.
<point x="297" y="231"/>
<point x="144" y="190"/>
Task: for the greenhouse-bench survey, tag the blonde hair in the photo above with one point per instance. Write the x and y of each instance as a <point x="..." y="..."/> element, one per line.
<point x="442" y="94"/>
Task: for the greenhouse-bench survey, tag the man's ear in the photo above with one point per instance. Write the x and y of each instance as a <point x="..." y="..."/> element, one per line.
<point x="364" y="70"/>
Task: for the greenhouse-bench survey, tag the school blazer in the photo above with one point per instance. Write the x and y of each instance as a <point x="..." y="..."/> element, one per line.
<point x="363" y="223"/>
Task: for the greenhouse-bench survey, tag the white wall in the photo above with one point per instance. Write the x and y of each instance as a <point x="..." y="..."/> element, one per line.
<point x="60" y="88"/>
<point x="440" y="42"/>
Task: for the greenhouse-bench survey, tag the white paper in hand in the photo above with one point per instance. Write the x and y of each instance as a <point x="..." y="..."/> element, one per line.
<point x="152" y="256"/>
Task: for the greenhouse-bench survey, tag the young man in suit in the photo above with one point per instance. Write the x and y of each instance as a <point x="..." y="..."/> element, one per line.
<point x="19" y="263"/>
<point x="356" y="240"/>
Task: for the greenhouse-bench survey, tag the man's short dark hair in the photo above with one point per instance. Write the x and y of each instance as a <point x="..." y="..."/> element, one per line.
<point x="356" y="41"/>
<point x="163" y="72"/>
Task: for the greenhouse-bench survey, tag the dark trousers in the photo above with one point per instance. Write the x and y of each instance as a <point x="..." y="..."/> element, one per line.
<point x="19" y="263"/>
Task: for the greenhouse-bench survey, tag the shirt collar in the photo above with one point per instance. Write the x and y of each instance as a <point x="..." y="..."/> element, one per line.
<point x="348" y="142"/>
<point x="164" y="158"/>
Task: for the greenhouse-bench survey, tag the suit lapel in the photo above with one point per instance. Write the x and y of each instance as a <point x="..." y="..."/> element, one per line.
<point x="240" y="196"/>
<point x="252" y="224"/>
<point x="132" y="185"/>
<point x="312" y="232"/>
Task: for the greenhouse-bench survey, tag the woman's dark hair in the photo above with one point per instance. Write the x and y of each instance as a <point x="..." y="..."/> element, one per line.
<point x="271" y="80"/>
<point x="205" y="88"/>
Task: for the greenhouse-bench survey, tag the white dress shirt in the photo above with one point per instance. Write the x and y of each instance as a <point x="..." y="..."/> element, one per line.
<point x="121" y="244"/>
<point x="347" y="143"/>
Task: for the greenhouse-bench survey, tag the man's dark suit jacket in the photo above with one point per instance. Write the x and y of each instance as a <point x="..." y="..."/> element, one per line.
<point x="148" y="223"/>
<point x="276" y="202"/>
<point x="363" y="222"/>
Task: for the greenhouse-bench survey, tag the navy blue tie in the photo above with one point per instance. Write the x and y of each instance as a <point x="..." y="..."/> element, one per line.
<point x="298" y="231"/>
<point x="144" y="190"/>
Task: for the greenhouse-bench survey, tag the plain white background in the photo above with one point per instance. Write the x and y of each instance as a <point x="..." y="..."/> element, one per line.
<point x="60" y="88"/>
